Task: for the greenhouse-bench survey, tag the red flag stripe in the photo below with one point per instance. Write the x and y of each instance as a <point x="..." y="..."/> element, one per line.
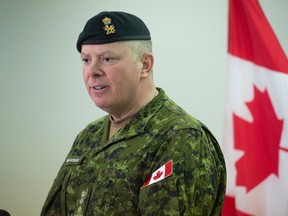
<point x="252" y="38"/>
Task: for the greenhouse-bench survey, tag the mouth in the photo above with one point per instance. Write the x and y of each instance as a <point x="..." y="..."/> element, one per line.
<point x="100" y="87"/>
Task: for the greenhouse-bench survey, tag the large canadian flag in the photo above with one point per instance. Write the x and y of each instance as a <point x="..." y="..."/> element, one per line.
<point x="256" y="123"/>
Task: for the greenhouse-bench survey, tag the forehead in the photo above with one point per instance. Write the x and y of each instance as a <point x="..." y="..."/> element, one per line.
<point x="116" y="48"/>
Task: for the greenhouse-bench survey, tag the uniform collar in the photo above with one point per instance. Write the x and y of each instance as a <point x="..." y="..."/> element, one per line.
<point x="141" y="119"/>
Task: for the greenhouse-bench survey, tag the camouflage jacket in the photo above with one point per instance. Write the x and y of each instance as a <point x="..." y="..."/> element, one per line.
<point x="102" y="176"/>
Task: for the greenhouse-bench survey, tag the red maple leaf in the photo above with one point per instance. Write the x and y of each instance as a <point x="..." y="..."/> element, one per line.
<point x="158" y="175"/>
<point x="260" y="141"/>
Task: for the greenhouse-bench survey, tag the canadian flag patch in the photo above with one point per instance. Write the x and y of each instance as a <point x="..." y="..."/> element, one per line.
<point x="161" y="173"/>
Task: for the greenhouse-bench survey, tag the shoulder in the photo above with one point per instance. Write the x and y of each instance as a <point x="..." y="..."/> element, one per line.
<point x="184" y="130"/>
<point x="94" y="126"/>
<point x="93" y="129"/>
<point x="175" y="115"/>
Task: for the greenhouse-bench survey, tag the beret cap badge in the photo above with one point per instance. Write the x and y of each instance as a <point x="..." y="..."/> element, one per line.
<point x="110" y="29"/>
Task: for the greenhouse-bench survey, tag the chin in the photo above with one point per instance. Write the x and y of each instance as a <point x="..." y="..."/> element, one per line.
<point x="101" y="104"/>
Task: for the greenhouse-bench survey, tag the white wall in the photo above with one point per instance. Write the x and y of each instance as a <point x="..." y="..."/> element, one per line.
<point x="43" y="100"/>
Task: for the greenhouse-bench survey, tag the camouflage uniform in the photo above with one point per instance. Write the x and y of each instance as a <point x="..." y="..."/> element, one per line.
<point x="102" y="176"/>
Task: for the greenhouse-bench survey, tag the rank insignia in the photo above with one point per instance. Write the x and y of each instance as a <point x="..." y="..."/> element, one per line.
<point x="108" y="27"/>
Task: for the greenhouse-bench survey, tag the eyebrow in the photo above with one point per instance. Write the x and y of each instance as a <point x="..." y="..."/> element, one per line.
<point x="99" y="54"/>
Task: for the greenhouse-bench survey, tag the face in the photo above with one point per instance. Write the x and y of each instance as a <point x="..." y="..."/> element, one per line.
<point x="112" y="76"/>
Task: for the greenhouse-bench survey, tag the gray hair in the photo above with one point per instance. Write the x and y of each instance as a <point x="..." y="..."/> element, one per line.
<point x="140" y="47"/>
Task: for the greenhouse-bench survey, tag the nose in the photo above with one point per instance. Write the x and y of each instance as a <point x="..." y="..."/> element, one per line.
<point x="95" y="69"/>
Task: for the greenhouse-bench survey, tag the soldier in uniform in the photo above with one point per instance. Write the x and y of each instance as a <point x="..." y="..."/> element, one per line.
<point x="147" y="156"/>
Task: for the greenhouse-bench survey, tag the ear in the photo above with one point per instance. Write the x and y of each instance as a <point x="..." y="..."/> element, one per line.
<point x="147" y="64"/>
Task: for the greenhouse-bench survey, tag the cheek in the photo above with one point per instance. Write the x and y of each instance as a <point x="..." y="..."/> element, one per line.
<point x="85" y="76"/>
<point x="124" y="78"/>
<point x="128" y="80"/>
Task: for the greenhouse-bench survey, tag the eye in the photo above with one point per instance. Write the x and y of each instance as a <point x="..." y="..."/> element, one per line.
<point x="85" y="59"/>
<point x="107" y="60"/>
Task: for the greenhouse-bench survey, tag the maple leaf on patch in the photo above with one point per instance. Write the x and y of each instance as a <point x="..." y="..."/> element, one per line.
<point x="158" y="175"/>
<point x="260" y="141"/>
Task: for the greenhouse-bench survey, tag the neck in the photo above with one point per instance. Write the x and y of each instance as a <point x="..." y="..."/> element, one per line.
<point x="118" y="122"/>
<point x="128" y="115"/>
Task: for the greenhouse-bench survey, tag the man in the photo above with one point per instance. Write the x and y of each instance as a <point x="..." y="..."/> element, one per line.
<point x="147" y="156"/>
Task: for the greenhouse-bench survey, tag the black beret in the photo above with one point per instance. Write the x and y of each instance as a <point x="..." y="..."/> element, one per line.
<point x="112" y="26"/>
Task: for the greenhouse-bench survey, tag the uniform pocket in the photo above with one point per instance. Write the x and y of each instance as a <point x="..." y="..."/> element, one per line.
<point x="75" y="196"/>
<point x="82" y="202"/>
